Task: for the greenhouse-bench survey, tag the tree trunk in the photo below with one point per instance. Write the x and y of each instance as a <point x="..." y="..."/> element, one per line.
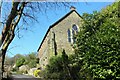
<point x="11" y="17"/>
<point x="8" y="31"/>
<point x="9" y="39"/>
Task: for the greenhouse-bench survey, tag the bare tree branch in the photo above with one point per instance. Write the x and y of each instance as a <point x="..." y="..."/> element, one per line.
<point x="12" y="15"/>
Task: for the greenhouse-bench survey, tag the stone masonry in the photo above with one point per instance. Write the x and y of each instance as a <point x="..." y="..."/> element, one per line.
<point x="56" y="38"/>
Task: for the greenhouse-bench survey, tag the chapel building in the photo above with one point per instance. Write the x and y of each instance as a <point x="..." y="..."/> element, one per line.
<point x="60" y="35"/>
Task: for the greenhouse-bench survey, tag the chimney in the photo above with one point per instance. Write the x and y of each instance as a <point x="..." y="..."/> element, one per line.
<point x="72" y="8"/>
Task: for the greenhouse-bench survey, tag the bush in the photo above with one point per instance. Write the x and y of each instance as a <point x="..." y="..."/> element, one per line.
<point x="60" y="67"/>
<point x="15" y="69"/>
<point x="20" y="62"/>
<point x="36" y="73"/>
<point x="98" y="44"/>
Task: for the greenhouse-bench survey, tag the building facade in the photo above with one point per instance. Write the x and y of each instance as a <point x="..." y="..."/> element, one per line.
<point x="60" y="36"/>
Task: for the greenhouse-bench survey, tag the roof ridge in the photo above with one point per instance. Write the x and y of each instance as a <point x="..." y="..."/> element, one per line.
<point x="56" y="24"/>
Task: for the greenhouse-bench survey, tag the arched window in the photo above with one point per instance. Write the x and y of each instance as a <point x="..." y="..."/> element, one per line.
<point x="69" y="36"/>
<point x="74" y="27"/>
<point x="74" y="32"/>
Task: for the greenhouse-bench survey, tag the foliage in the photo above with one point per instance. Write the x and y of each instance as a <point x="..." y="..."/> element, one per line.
<point x="97" y="50"/>
<point x="15" y="69"/>
<point x="54" y="68"/>
<point x="32" y="64"/>
<point x="98" y="44"/>
<point x="31" y="60"/>
<point x="36" y="73"/>
<point x="11" y="60"/>
<point x="20" y="62"/>
<point x="59" y="68"/>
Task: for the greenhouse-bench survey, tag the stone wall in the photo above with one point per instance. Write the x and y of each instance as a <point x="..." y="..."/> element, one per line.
<point x="59" y="32"/>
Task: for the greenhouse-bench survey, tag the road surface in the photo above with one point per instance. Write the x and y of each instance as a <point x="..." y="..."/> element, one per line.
<point x="22" y="77"/>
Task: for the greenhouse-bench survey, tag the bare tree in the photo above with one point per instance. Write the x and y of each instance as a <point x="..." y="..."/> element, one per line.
<point x="25" y="12"/>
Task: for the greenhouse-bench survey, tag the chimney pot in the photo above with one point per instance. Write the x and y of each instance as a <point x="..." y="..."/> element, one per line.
<point x="72" y="8"/>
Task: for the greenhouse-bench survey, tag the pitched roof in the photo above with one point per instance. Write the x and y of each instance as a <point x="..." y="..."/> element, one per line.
<point x="56" y="24"/>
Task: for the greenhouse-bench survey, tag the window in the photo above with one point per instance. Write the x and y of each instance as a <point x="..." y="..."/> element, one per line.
<point x="73" y="35"/>
<point x="69" y="36"/>
<point x="74" y="32"/>
<point x="74" y="28"/>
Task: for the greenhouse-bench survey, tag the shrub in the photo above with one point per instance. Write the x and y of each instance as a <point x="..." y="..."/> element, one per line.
<point x="20" y="61"/>
<point x="36" y="73"/>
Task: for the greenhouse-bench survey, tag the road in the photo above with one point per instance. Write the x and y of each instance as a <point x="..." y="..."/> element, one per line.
<point x="22" y="77"/>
